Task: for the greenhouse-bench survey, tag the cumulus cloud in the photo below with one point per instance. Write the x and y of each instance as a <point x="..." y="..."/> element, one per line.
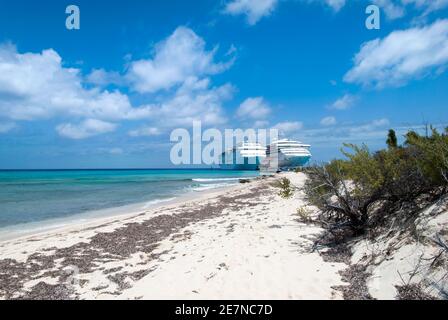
<point x="253" y="108"/>
<point x="181" y="56"/>
<point x="85" y="129"/>
<point x="345" y="102"/>
<point x="182" y="63"/>
<point x="287" y="127"/>
<point x="401" y="56"/>
<point x="328" y="121"/>
<point x="102" y="78"/>
<point x="254" y="10"/>
<point x="37" y="86"/>
<point x="197" y="101"/>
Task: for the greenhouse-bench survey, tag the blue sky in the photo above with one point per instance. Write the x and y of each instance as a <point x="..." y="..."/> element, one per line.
<point x="109" y="94"/>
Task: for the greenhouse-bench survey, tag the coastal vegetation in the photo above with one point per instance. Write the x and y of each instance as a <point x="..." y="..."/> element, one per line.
<point x="368" y="190"/>
<point x="304" y="214"/>
<point x="285" y="188"/>
<point x="378" y="207"/>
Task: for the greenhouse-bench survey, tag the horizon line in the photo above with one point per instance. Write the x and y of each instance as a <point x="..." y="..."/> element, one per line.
<point x="111" y="169"/>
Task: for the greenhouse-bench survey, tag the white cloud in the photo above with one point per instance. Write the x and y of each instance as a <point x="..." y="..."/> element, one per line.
<point x="391" y="9"/>
<point x="102" y="78"/>
<point x="401" y="56"/>
<point x="433" y="5"/>
<point x="7" y="126"/>
<point x="232" y="50"/>
<point x="253" y="108"/>
<point x="395" y="9"/>
<point x="87" y="128"/>
<point x="37" y="86"/>
<point x="181" y="56"/>
<point x="195" y="101"/>
<point x="145" y="132"/>
<point x="286" y="128"/>
<point x="254" y="10"/>
<point x="379" y="123"/>
<point x="328" y="121"/>
<point x="336" y="5"/>
<point x="182" y="63"/>
<point x="427" y="5"/>
<point x="345" y="102"/>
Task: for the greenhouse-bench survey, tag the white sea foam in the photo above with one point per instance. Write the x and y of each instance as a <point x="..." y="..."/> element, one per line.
<point x="209" y="186"/>
<point x="219" y="179"/>
<point x="157" y="201"/>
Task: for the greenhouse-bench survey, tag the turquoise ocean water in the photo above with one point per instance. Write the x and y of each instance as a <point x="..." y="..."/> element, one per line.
<point x="39" y="196"/>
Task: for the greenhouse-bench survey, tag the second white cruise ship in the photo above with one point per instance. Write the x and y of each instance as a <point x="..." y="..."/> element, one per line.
<point x="245" y="156"/>
<point x="291" y="154"/>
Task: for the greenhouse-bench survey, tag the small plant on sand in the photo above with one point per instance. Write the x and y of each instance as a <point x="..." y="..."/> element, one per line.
<point x="286" y="190"/>
<point x="304" y="214"/>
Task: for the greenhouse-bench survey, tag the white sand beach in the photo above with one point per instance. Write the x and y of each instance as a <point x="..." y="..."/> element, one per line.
<point x="243" y="242"/>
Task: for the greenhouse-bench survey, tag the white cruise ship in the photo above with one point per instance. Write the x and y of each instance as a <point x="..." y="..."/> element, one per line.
<point x="291" y="154"/>
<point x="245" y="156"/>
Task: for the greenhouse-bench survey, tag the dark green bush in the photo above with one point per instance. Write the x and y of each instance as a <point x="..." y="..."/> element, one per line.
<point x="392" y="141"/>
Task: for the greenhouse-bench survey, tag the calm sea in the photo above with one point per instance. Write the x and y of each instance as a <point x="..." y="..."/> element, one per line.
<point x="36" y="196"/>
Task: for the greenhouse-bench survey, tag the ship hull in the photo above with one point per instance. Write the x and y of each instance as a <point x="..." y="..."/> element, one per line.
<point x="240" y="167"/>
<point x="286" y="162"/>
<point x="293" y="161"/>
<point x="243" y="164"/>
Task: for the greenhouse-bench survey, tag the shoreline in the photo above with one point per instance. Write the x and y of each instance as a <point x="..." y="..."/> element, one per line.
<point x="239" y="242"/>
<point x="94" y="217"/>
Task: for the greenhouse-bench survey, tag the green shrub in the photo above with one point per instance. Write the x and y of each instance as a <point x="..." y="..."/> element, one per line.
<point x="285" y="188"/>
<point x="362" y="190"/>
<point x="431" y="153"/>
<point x="304" y="214"/>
